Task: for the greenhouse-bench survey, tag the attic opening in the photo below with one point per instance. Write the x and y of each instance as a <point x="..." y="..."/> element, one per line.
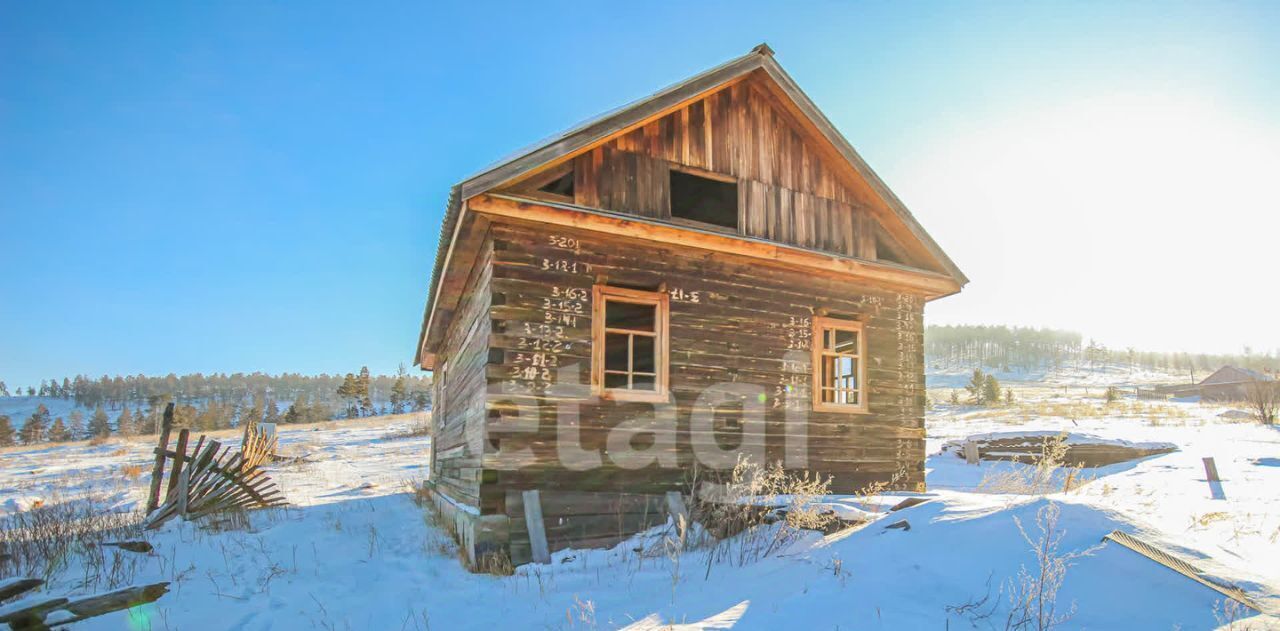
<point x="704" y="199"/>
<point x="888" y="250"/>
<point x="562" y="186"/>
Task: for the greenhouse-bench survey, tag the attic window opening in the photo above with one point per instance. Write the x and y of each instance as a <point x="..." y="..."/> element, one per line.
<point x="561" y="186"/>
<point x="704" y="199"/>
<point x="886" y="252"/>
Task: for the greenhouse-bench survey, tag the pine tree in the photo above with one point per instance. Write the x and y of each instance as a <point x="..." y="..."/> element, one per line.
<point x="35" y="429"/>
<point x="399" y="395"/>
<point x="294" y="413"/>
<point x="991" y="390"/>
<point x="350" y="392"/>
<point x="66" y="388"/>
<point x="124" y="422"/>
<point x="99" y="424"/>
<point x="977" y="386"/>
<point x="420" y="401"/>
<point x="76" y="425"/>
<point x="362" y="385"/>
<point x="58" y="432"/>
<point x="6" y="432"/>
<point x="273" y="412"/>
<point x="141" y="423"/>
<point x="4" y="390"/>
<point x="31" y="392"/>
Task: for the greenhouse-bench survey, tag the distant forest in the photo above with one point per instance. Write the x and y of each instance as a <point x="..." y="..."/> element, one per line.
<point x="206" y="402"/>
<point x="1024" y="349"/>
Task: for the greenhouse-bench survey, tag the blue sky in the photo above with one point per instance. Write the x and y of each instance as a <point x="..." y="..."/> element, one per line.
<point x="258" y="186"/>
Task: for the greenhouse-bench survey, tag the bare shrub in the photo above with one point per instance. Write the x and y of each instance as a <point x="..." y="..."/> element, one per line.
<point x="52" y="536"/>
<point x="420" y="428"/>
<point x="1231" y="615"/>
<point x="1263" y="398"/>
<point x="758" y="510"/>
<point x="1033" y="594"/>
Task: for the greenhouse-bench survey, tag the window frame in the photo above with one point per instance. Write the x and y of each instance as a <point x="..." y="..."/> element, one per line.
<point x="820" y="325"/>
<point x="660" y="300"/>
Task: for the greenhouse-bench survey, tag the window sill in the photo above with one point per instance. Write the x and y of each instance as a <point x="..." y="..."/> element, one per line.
<point x="703" y="225"/>
<point x="840" y="409"/>
<point x="634" y="396"/>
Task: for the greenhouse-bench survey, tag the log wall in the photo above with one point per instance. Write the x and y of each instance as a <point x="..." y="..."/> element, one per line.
<point x="732" y="320"/>
<point x="458" y="412"/>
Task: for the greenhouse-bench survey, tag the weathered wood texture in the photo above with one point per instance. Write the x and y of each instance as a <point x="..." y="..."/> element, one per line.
<point x="458" y="417"/>
<point x="787" y="191"/>
<point x="732" y="320"/>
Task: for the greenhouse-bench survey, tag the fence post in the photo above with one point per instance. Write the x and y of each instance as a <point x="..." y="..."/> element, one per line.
<point x="179" y="455"/>
<point x="157" y="473"/>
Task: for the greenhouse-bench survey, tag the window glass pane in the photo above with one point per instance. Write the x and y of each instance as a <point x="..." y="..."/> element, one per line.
<point x="642" y="357"/>
<point x="846" y="373"/>
<point x="642" y="382"/>
<point x="826" y="339"/>
<point x="624" y="315"/>
<point x="615" y="380"/>
<point x="846" y="397"/>
<point x="846" y="341"/>
<point x="615" y="351"/>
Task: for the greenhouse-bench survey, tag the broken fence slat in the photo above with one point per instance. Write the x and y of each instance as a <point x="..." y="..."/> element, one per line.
<point x="11" y="587"/>
<point x="175" y="475"/>
<point x="29" y="611"/>
<point x="91" y="606"/>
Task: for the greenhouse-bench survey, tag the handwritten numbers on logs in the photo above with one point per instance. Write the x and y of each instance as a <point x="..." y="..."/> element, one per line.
<point x="564" y="243"/>
<point x="799" y="333"/>
<point x="681" y="295"/>
<point x="564" y="265"/>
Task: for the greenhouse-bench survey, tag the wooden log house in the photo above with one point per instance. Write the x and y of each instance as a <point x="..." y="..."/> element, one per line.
<point x="720" y="231"/>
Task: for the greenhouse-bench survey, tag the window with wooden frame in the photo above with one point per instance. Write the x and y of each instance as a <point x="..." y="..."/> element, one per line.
<point x="839" y="366"/>
<point x="629" y="343"/>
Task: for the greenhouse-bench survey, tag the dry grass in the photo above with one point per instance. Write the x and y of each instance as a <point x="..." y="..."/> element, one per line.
<point x="420" y="428"/>
<point x="131" y="471"/>
<point x="1041" y="479"/>
<point x="757" y="511"/>
<point x="53" y="536"/>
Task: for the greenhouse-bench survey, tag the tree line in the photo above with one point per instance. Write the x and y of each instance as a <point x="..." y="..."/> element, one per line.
<point x="208" y="403"/>
<point x="1005" y="348"/>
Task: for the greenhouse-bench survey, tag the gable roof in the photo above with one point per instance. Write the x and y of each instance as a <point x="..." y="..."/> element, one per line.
<point x="596" y="130"/>
<point x="1232" y="374"/>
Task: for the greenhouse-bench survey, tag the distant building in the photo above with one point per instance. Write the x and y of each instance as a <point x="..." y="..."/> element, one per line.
<point x="1229" y="383"/>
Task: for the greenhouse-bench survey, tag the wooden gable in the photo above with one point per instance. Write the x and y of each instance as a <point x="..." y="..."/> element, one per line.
<point x="791" y="190"/>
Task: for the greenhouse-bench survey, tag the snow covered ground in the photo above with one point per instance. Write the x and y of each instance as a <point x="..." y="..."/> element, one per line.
<point x="355" y="551"/>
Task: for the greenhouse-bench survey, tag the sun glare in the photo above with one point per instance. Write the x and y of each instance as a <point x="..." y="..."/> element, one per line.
<point x="1107" y="215"/>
